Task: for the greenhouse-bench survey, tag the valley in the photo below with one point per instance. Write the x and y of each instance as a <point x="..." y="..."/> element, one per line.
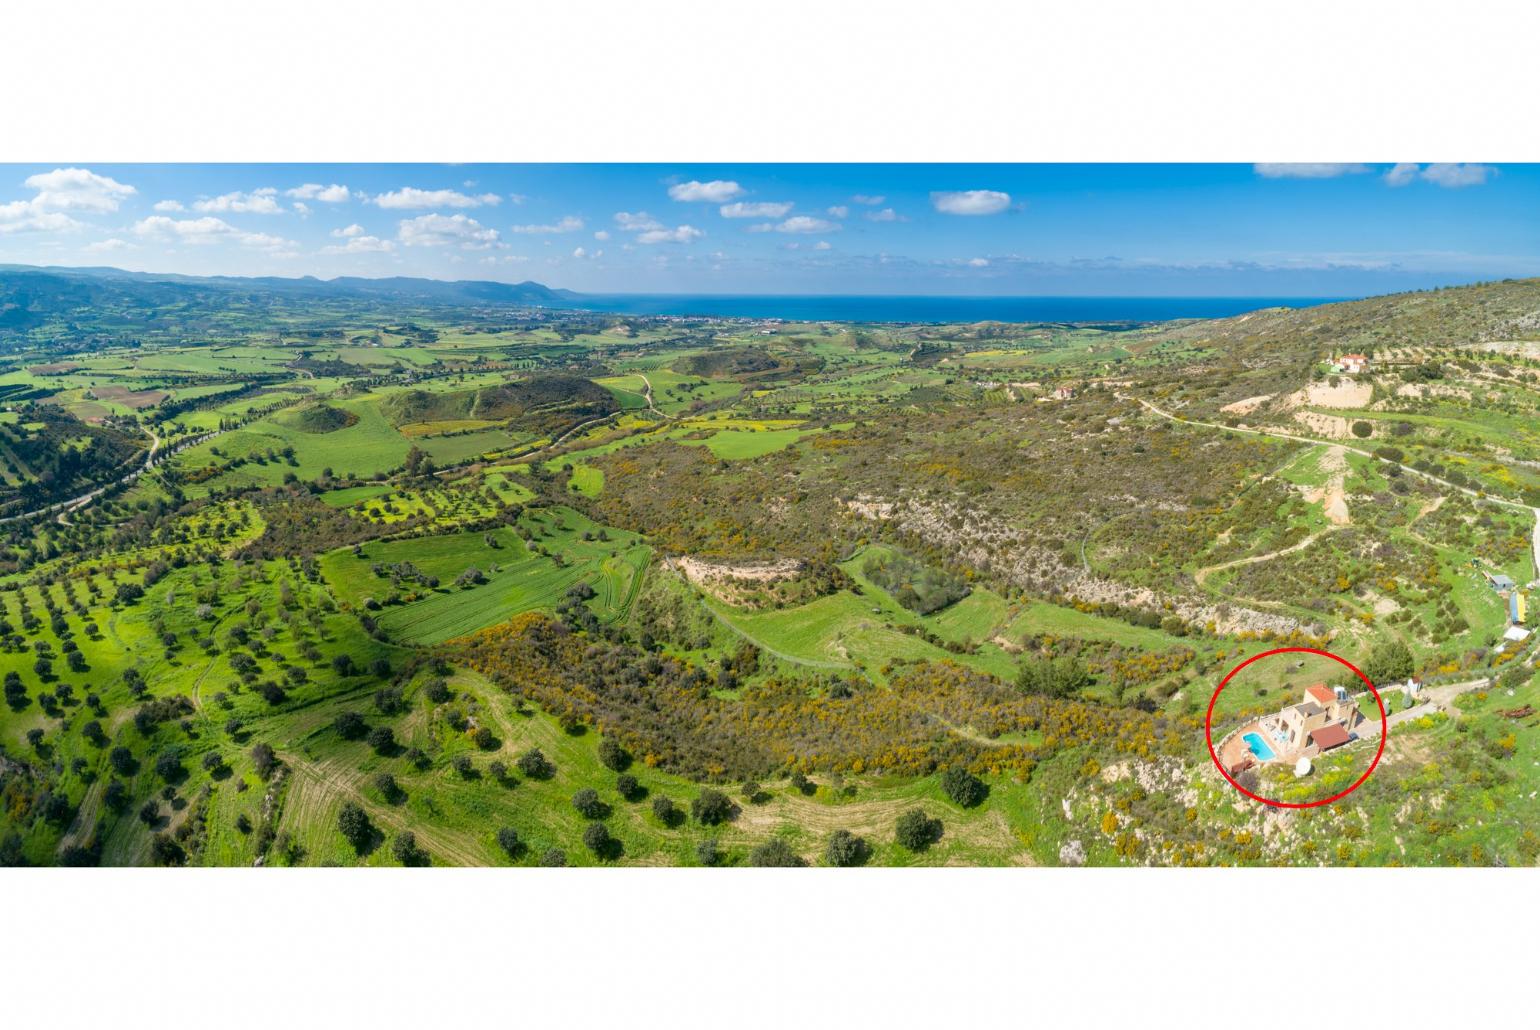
<point x="293" y="580"/>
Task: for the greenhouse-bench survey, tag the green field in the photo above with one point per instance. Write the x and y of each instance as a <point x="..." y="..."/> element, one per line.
<point x="516" y="579"/>
<point x="843" y="565"/>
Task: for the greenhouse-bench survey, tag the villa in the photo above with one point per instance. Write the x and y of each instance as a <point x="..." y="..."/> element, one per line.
<point x="1325" y="719"/>
<point x="1322" y="720"/>
<point x="1354" y="364"/>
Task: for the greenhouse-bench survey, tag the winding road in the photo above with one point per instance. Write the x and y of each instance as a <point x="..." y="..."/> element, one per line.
<point x="1489" y="498"/>
<point x="64" y="507"/>
<point x="153" y="458"/>
<point x="1204" y="573"/>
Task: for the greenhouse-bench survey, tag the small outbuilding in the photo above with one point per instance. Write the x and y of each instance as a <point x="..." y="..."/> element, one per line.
<point x="1329" y="736"/>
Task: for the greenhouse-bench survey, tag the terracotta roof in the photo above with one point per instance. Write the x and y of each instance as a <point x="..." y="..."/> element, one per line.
<point x="1350" y="357"/>
<point x="1322" y="693"/>
<point x="1328" y="737"/>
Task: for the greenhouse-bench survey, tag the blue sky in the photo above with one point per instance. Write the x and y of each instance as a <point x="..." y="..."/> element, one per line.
<point x="1113" y="229"/>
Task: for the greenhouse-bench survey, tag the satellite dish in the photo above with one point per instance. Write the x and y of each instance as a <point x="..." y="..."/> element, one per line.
<point x="1302" y="767"/>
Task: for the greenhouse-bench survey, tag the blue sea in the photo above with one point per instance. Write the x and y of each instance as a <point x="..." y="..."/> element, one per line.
<point x="937" y="309"/>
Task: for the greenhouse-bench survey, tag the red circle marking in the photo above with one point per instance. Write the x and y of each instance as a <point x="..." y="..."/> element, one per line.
<point x="1208" y="729"/>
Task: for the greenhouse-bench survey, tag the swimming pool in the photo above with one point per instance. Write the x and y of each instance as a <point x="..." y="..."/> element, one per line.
<point x="1259" y="747"/>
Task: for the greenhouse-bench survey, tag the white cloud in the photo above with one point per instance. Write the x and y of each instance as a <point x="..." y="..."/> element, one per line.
<point x="58" y="191"/>
<point x="683" y="234"/>
<point x="868" y="199"/>
<point x="23" y="216"/>
<point x="76" y="189"/>
<point x="1454" y="176"/>
<point x="571" y="223"/>
<point x="1307" y="170"/>
<point x="108" y="246"/>
<point x="978" y="262"/>
<point x="601" y="235"/>
<point x="579" y="253"/>
<point x="169" y="205"/>
<point x="1450" y="176"/>
<point x="821" y="245"/>
<point x="358" y="244"/>
<point x="409" y="197"/>
<point x="444" y="230"/>
<point x="205" y="230"/>
<point x="639" y="221"/>
<point x="887" y="214"/>
<point x="333" y="194"/>
<point x="762" y="209"/>
<point x="257" y="202"/>
<point x="349" y="231"/>
<point x="798" y="224"/>
<point x="839" y="211"/>
<point x="717" y="191"/>
<point x="192" y="230"/>
<point x="264" y="240"/>
<point x="970" y="202"/>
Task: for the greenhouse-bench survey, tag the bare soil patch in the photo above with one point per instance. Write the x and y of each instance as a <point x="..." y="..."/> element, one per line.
<point x="1247" y="405"/>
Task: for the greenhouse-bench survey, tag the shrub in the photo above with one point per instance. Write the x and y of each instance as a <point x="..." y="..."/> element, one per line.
<point x="386" y="784"/>
<point x="535" y="765"/>
<point x="664" y="810"/>
<point x="963" y="787"/>
<point x="388" y="700"/>
<point x="917" y="831"/>
<point x="712" y="807"/>
<point x="382" y="739"/>
<point x="508" y="840"/>
<point x="354" y="823"/>
<point x="1055" y="677"/>
<point x="707" y="852"/>
<point x="1388" y="662"/>
<point x="845" y="849"/>
<point x="164" y="850"/>
<point x="775" y="852"/>
<point x="350" y="726"/>
<point x="588" y="805"/>
<point x="264" y="760"/>
<point x="123" y="761"/>
<point x="627" y="787"/>
<point x="168" y="766"/>
<point x="598" y="840"/>
<point x="553" y="857"/>
<point x="404" y="847"/>
<point x="115" y="796"/>
<point x="614" y="757"/>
